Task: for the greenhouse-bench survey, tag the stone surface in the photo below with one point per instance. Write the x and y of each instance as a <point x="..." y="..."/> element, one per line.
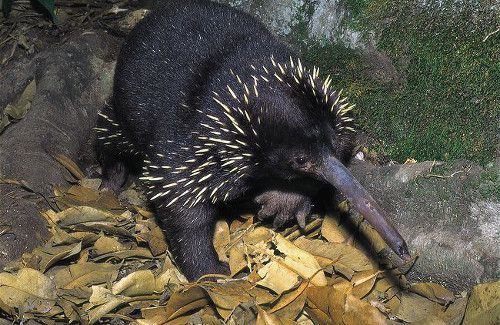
<point x="443" y="216"/>
<point x="279" y="16"/>
<point x="73" y="80"/>
<point x="324" y="22"/>
<point x="325" y="19"/>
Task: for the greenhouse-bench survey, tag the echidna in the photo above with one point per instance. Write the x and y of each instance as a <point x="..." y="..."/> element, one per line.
<point x="217" y="110"/>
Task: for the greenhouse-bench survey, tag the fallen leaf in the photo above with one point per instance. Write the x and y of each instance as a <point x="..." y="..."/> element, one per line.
<point x="332" y="231"/>
<point x="221" y="239"/>
<point x="85" y="275"/>
<point x="277" y="277"/>
<point x="264" y="318"/>
<point x="27" y="291"/>
<point x="434" y="292"/>
<point x="361" y="312"/>
<point x="107" y="244"/>
<point x="50" y="255"/>
<point x="70" y="165"/>
<point x="484" y="304"/>
<point x="300" y="261"/>
<point x="18" y="109"/>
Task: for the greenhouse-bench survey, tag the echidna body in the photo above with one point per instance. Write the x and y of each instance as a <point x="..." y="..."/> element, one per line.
<point x="217" y="110"/>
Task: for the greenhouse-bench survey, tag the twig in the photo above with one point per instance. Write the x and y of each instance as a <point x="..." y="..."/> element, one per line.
<point x="491" y="34"/>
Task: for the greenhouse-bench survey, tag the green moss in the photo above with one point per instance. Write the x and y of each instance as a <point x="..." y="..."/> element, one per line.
<point x="446" y="105"/>
<point x="489" y="186"/>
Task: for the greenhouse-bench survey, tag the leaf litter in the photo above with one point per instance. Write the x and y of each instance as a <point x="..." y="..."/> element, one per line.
<point x="107" y="261"/>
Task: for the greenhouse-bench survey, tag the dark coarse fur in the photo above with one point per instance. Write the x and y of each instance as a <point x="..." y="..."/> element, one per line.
<point x="217" y="110"/>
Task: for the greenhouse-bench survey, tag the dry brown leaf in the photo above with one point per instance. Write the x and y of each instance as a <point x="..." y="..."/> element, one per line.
<point x="27" y="291"/>
<point x="102" y="302"/>
<point x="277" y="277"/>
<point x="300" y="261"/>
<point x="170" y="276"/>
<point x="107" y="244"/>
<point x="434" y="292"/>
<point x="157" y="243"/>
<point x="82" y="214"/>
<point x="484" y="304"/>
<point x="325" y="305"/>
<point x="185" y="301"/>
<point x="258" y="235"/>
<point x="51" y="255"/>
<point x="342" y="256"/>
<point x="359" y="312"/>
<point x="18" y="109"/>
<point x="237" y="258"/>
<point x="138" y="283"/>
<point x="227" y="296"/>
<point x="363" y="282"/>
<point x="332" y="231"/>
<point x="242" y="224"/>
<point x="295" y="305"/>
<point x="415" y="308"/>
<point x="264" y="318"/>
<point x="70" y="165"/>
<point x="85" y="274"/>
<point x="136" y="253"/>
<point x="221" y="240"/>
<point x="286" y="299"/>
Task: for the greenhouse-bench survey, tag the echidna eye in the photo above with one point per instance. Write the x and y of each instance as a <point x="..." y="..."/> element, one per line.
<point x="300" y="160"/>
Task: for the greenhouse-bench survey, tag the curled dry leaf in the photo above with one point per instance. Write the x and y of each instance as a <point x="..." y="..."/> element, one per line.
<point x="300" y="261"/>
<point x="484" y="304"/>
<point x="345" y="259"/>
<point x="85" y="274"/>
<point x="264" y="318"/>
<point x="434" y="292"/>
<point x="325" y="305"/>
<point x="102" y="301"/>
<point x="27" y="291"/>
<point x="106" y="245"/>
<point x="50" y="255"/>
<point x="221" y="240"/>
<point x="277" y="277"/>
<point x="357" y="311"/>
<point x="363" y="282"/>
<point x="332" y="231"/>
<point x="227" y="296"/>
<point x="138" y="283"/>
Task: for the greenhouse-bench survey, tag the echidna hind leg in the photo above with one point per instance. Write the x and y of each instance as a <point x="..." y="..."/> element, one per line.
<point x="189" y="234"/>
<point x="114" y="176"/>
<point x="116" y="153"/>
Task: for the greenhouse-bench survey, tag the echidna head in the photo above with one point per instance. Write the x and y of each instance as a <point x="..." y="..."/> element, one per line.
<point x="305" y="130"/>
<point x="301" y="121"/>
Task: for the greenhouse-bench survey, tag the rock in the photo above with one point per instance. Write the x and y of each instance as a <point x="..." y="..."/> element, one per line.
<point x="328" y="22"/>
<point x="484" y="305"/>
<point x="446" y="220"/>
<point x="323" y="22"/>
<point x="279" y="16"/>
<point x="73" y="80"/>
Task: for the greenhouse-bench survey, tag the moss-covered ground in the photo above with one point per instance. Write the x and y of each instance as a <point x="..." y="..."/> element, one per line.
<point x="445" y="102"/>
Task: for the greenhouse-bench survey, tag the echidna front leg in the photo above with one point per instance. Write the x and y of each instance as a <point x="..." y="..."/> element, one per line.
<point x="189" y="233"/>
<point x="284" y="206"/>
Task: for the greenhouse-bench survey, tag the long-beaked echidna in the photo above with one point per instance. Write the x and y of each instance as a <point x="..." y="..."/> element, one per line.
<point x="217" y="110"/>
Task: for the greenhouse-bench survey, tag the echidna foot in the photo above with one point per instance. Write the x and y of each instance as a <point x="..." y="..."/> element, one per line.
<point x="284" y="207"/>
